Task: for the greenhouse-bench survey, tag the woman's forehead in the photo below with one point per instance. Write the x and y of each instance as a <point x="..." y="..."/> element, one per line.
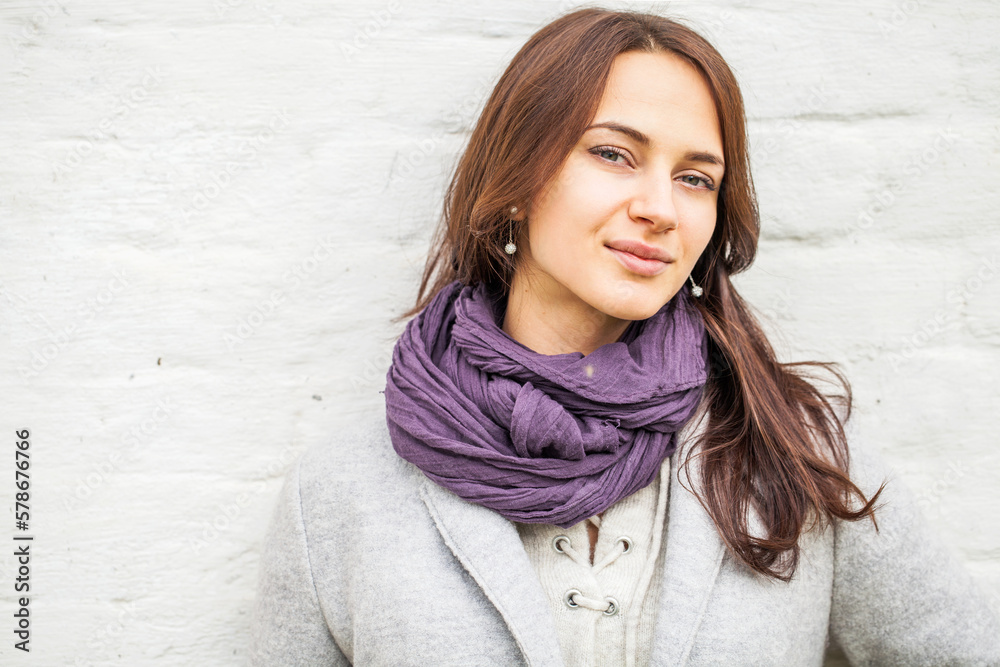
<point x="664" y="98"/>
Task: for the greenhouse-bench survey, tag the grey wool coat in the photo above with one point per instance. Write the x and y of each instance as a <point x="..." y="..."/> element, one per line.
<point x="368" y="562"/>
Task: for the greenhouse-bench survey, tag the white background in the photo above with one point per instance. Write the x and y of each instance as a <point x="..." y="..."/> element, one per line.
<point x="209" y="211"/>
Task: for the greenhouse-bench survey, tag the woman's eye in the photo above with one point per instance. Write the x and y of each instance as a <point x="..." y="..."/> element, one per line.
<point x="610" y="154"/>
<point x="698" y="181"/>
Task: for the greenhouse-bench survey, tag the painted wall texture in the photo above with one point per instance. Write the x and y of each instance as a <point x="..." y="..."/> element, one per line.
<point x="211" y="209"/>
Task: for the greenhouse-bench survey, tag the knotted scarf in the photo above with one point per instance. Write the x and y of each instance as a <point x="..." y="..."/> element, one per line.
<point x="540" y="438"/>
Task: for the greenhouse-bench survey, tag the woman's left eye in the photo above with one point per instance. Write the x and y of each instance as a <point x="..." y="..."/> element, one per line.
<point x="698" y="181"/>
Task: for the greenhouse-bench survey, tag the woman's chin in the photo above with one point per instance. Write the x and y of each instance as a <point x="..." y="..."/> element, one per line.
<point x="634" y="308"/>
<point x="628" y="301"/>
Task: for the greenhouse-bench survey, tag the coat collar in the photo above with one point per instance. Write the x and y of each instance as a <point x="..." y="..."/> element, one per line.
<point x="692" y="557"/>
<point x="490" y="549"/>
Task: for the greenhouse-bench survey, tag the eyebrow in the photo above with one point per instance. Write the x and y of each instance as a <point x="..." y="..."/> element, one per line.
<point x="640" y="138"/>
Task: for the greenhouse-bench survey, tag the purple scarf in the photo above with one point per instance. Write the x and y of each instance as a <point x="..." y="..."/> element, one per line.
<point x="540" y="438"/>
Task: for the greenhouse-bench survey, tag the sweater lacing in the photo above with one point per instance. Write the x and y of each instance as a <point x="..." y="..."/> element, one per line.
<point x="573" y="597"/>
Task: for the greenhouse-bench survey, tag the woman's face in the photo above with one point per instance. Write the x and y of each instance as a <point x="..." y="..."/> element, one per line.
<point x="644" y="178"/>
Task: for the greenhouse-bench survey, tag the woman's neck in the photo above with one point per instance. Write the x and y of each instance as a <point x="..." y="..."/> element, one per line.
<point x="555" y="321"/>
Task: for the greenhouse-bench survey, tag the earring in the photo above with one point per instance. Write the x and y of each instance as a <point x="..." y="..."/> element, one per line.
<point x="510" y="248"/>
<point x="696" y="290"/>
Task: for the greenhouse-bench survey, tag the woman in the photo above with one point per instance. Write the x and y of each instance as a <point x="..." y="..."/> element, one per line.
<point x="590" y="454"/>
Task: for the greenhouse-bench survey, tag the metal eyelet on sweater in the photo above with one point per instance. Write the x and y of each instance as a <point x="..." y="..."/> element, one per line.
<point x="557" y="540"/>
<point x="628" y="543"/>
<point x="612" y="607"/>
<point x="568" y="598"/>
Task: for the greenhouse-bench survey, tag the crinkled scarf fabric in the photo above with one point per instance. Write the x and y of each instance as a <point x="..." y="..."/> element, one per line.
<point x="541" y="438"/>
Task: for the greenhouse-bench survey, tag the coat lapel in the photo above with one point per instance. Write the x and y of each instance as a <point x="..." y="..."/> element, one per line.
<point x="692" y="559"/>
<point x="489" y="547"/>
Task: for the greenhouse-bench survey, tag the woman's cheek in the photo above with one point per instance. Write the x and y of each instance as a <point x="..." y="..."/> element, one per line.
<point x="699" y="218"/>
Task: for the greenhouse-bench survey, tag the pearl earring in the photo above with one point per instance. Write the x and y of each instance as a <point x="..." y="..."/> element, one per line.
<point x="696" y="290"/>
<point x="510" y="248"/>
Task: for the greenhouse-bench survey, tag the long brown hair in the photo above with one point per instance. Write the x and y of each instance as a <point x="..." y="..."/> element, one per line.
<point x="774" y="443"/>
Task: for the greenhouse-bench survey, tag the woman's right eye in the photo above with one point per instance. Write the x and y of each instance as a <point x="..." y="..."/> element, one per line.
<point x="610" y="153"/>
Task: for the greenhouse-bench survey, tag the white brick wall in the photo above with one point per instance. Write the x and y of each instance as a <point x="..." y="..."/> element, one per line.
<point x="210" y="210"/>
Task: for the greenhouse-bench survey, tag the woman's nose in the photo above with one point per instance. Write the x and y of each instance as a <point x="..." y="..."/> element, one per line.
<point x="653" y="202"/>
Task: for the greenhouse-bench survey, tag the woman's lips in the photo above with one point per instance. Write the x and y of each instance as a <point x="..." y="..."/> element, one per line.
<point x="644" y="267"/>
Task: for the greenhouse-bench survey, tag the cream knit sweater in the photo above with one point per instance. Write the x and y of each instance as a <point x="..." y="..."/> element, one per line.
<point x="605" y="610"/>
